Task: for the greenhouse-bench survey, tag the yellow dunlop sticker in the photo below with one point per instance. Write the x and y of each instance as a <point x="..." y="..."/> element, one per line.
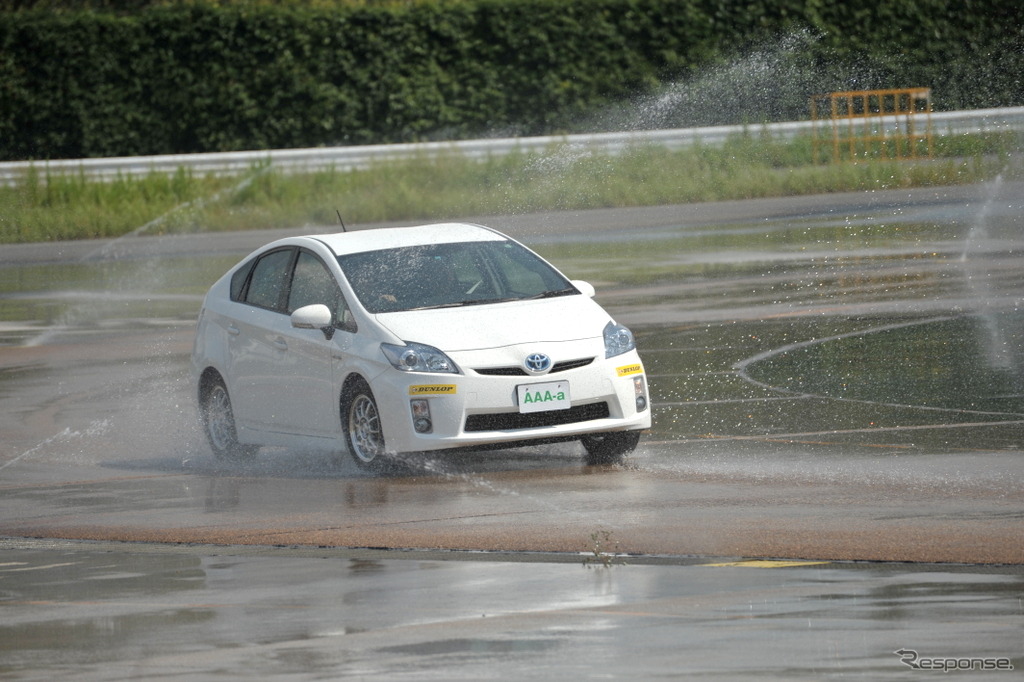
<point x="433" y="389"/>
<point x="629" y="369"/>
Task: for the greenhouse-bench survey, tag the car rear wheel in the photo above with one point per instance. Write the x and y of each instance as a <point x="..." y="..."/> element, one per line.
<point x="363" y="431"/>
<point x="610" y="448"/>
<point x="219" y="423"/>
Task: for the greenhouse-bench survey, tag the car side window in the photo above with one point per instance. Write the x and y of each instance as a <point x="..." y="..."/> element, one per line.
<point x="269" y="279"/>
<point x="313" y="283"/>
<point x="239" y="280"/>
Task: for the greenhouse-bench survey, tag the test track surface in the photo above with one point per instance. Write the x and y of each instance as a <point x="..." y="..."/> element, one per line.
<point x="100" y="443"/>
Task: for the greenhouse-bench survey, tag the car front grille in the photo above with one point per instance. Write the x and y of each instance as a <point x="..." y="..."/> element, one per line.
<point x="516" y="371"/>
<point x="508" y="421"/>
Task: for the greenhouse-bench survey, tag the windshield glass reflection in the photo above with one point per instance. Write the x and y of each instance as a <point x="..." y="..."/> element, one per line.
<point x="450" y="275"/>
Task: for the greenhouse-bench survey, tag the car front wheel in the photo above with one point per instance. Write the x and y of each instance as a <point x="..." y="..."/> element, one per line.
<point x="610" y="448"/>
<point x="363" y="431"/>
<point x="219" y="424"/>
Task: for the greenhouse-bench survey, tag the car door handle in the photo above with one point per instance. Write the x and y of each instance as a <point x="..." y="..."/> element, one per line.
<point x="233" y="330"/>
<point x="279" y="344"/>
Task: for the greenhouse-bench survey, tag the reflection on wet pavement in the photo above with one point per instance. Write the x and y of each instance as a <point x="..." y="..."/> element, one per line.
<point x="914" y="381"/>
<point x="99" y="613"/>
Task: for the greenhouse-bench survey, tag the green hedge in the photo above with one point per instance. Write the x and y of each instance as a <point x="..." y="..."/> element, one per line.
<point x="127" y="77"/>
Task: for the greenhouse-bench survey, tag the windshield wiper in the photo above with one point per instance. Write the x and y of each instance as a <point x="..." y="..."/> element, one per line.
<point x="568" y="291"/>
<point x="459" y="304"/>
<point x="433" y="306"/>
<point x="484" y="301"/>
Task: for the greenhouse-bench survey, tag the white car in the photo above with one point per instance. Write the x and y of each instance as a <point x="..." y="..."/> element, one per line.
<point x="412" y="339"/>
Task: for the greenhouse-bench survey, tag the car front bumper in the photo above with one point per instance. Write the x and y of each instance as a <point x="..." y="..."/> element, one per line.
<point x="474" y="409"/>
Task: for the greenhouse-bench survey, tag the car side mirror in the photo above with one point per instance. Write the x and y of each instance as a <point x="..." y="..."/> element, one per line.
<point x="316" y="316"/>
<point x="585" y="288"/>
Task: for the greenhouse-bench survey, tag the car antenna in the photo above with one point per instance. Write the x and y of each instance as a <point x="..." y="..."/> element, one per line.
<point x="343" y="228"/>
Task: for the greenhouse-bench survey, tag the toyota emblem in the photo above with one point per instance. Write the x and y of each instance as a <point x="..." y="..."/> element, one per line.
<point x="537" y="363"/>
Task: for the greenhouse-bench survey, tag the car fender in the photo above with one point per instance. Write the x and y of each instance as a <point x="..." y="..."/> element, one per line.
<point x="210" y="350"/>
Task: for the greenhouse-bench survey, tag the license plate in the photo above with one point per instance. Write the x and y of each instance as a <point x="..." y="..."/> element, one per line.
<point x="544" y="397"/>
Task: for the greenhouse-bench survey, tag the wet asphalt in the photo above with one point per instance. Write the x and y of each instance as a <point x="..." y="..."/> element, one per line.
<point x="103" y="611"/>
<point x="837" y="385"/>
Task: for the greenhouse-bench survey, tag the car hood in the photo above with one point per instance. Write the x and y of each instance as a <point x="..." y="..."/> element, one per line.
<point x="566" y="318"/>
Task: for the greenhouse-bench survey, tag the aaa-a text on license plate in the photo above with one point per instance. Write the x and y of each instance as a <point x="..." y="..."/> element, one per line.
<point x="553" y="395"/>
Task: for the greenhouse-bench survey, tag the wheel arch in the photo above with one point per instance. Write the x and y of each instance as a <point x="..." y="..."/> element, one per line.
<point x="354" y="386"/>
<point x="208" y="378"/>
<point x="351" y="381"/>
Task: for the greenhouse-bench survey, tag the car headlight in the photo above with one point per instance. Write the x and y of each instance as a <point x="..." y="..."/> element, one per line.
<point x="418" y="357"/>
<point x="617" y="340"/>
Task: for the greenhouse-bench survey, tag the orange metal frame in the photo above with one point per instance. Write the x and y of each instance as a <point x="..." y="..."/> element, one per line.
<point x="872" y="124"/>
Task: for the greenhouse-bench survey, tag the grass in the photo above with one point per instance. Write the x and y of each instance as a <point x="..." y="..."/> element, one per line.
<point x="59" y="207"/>
<point x="72" y="206"/>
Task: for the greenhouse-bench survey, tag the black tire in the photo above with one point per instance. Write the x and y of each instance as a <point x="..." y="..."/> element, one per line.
<point x="219" y="423"/>
<point x="364" y="435"/>
<point x="610" y="448"/>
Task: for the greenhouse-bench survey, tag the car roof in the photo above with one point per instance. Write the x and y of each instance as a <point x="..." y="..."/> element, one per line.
<point x="396" y="237"/>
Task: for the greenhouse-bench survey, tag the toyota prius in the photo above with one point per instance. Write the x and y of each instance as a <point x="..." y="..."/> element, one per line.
<point x="412" y="339"/>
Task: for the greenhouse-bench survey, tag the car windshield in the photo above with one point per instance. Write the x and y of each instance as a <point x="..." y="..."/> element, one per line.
<point x="450" y="275"/>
